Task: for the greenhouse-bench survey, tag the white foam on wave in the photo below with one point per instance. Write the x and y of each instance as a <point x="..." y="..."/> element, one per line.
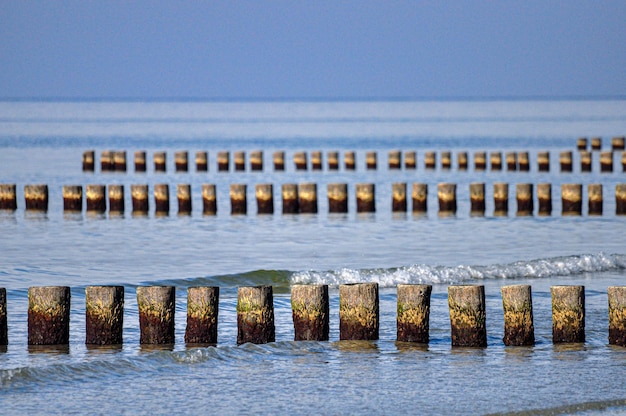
<point x="425" y="274"/>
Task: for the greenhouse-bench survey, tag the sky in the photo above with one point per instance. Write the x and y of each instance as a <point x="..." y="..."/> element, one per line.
<point x="312" y="49"/>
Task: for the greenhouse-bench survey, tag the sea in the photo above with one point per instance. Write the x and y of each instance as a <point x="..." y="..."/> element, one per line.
<point x="42" y="142"/>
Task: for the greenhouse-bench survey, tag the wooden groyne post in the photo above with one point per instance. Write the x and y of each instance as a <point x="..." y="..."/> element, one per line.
<point x="183" y="194"/>
<point x="370" y="160"/>
<point x="104" y="315"/>
<point x="162" y="199"/>
<point x="358" y="311"/>
<point x="333" y="160"/>
<point x="209" y="199"/>
<point x="307" y="194"/>
<point x="316" y="160"/>
<point x="223" y="161"/>
<point x="480" y="161"/>
<point x="300" y="160"/>
<point x="410" y="160"/>
<point x="365" y="197"/>
<point x="446" y="193"/>
<point x="606" y="161"/>
<point x="568" y="314"/>
<point x="462" y="162"/>
<point x="160" y="161"/>
<point x="96" y="198"/>
<point x="4" y="333"/>
<point x="543" y="161"/>
<point x="349" y="160"/>
<point x="595" y="204"/>
<point x="519" y="329"/>
<point x="419" y="196"/>
<point x="279" y="160"/>
<point x="544" y="196"/>
<point x="89" y="161"/>
<point x="413" y="313"/>
<point x="446" y="160"/>
<point x="596" y="143"/>
<point x="496" y="160"/>
<point x="337" y="197"/>
<point x="585" y="161"/>
<point x="398" y="197"/>
<point x="202" y="315"/>
<point x="477" y="199"/>
<point x="291" y="202"/>
<point x="238" y="199"/>
<point x="310" y="312"/>
<point x="617" y="315"/>
<point x="467" y="315"/>
<point x="430" y="160"/>
<point x="8" y="197"/>
<point x="157" y="306"/>
<point x="140" y="161"/>
<point x="571" y="197"/>
<point x="119" y="161"/>
<point x="264" y="198"/>
<point x="202" y="161"/>
<point x="256" y="160"/>
<point x="48" y="315"/>
<point x="524" y="196"/>
<point x="565" y="158"/>
<point x="620" y="199"/>
<point x="72" y="198"/>
<point x="116" y="199"/>
<point x="139" y="196"/>
<point x="255" y="315"/>
<point x="395" y="159"/>
<point x="501" y="199"/>
<point x="511" y="161"/>
<point x="240" y="161"/>
<point x="181" y="160"/>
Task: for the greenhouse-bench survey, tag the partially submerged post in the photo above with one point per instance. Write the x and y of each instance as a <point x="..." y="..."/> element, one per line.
<point x="307" y="193"/>
<point x="358" y="311"/>
<point x="571" y="196"/>
<point x="279" y="161"/>
<point x="49" y="315"/>
<point x="255" y="315"/>
<point x="410" y="160"/>
<point x="265" y="198"/>
<point x="202" y="314"/>
<point x="617" y="315"/>
<point x="162" y="199"/>
<point x="519" y="329"/>
<point x="116" y="199"/>
<point x="89" y="161"/>
<point x="36" y="197"/>
<point x="96" y="198"/>
<point x="596" y="143"/>
<point x="419" y="196"/>
<point x="496" y="160"/>
<point x="106" y="161"/>
<point x="620" y="199"/>
<point x="316" y="160"/>
<point x="72" y="198"/>
<point x="365" y="197"/>
<point x="594" y="192"/>
<point x="8" y="197"/>
<point x="370" y="160"/>
<point x="349" y="160"/>
<point x="398" y="197"/>
<point x="413" y="313"/>
<point x="337" y="197"/>
<point x="202" y="161"/>
<point x="240" y="161"/>
<point x="480" y="161"/>
<point x="462" y="160"/>
<point x="4" y="337"/>
<point x="511" y="161"/>
<point x="446" y="193"/>
<point x="395" y="159"/>
<point x="477" y="199"/>
<point x="104" y="315"/>
<point x="310" y="312"/>
<point x="446" y="160"/>
<point x="618" y="143"/>
<point x="183" y="194"/>
<point x="544" y="196"/>
<point x="467" y="316"/>
<point x="565" y="158"/>
<point x="581" y="143"/>
<point x="333" y="160"/>
<point x="524" y="197"/>
<point x="543" y="161"/>
<point x="223" y="161"/>
<point x="606" y="161"/>
<point x="256" y="160"/>
<point x="140" y="161"/>
<point x="523" y="162"/>
<point x="568" y="314"/>
<point x="585" y="161"/>
<point x="291" y="203"/>
<point x="157" y="305"/>
<point x="139" y="196"/>
<point x="160" y="161"/>
<point x="181" y="160"/>
<point x="209" y="199"/>
<point x="119" y="161"/>
<point x="430" y="160"/>
<point x="501" y="199"/>
<point x="300" y="160"/>
<point x="238" y="199"/>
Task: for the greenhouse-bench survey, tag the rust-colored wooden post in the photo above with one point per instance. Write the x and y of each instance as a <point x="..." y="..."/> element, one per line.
<point x="413" y="313"/>
<point x="202" y="314"/>
<point x="310" y="312"/>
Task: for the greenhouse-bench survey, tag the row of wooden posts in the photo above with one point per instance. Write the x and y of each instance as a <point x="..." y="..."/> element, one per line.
<point x="302" y="198"/>
<point x="115" y="161"/>
<point x="49" y="314"/>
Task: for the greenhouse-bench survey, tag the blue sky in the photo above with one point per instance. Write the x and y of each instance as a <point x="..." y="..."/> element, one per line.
<point x="312" y="49"/>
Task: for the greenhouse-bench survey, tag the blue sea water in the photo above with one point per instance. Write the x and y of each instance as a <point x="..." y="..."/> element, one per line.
<point x="43" y="142"/>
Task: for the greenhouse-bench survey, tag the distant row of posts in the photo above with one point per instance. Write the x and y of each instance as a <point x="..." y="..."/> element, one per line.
<point x="302" y="198"/>
<point x="359" y="316"/>
<point x="115" y="161"/>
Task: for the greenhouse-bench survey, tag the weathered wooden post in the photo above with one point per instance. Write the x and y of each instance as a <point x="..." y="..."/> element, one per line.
<point x="240" y="161"/>
<point x="349" y="160"/>
<point x="543" y="161"/>
<point x="594" y="192"/>
<point x="480" y="161"/>
<point x="4" y="334"/>
<point x="116" y="199"/>
<point x="618" y="143"/>
<point x="48" y="315"/>
<point x="446" y="160"/>
<point x="160" y="161"/>
<point x="624" y="162"/>
<point x="316" y="160"/>
<point x="365" y="197"/>
<point x="620" y="199"/>
<point x="446" y="193"/>
<point x="496" y="160"/>
<point x="359" y="311"/>
<point x="139" y="196"/>
<point x="162" y="199"/>
<point x="256" y="160"/>
<point x="202" y="161"/>
<point x="183" y="194"/>
<point x="89" y="161"/>
<point x="36" y="197"/>
<point x="307" y="194"/>
<point x="279" y="161"/>
<point x="410" y="160"/>
<point x="398" y="197"/>
<point x="223" y="161"/>
<point x="565" y="158"/>
<point x="419" y="196"/>
<point x="209" y="199"/>
<point x="585" y="161"/>
<point x="106" y="161"/>
<point x="337" y="197"/>
<point x="333" y="160"/>
<point x="617" y="315"/>
<point x="523" y="161"/>
<point x="255" y="315"/>
<point x="568" y="314"/>
<point x="264" y="198"/>
<point x="202" y="314"/>
<point x="511" y="161"/>
<point x="477" y="199"/>
<point x="413" y="313"/>
<point x="370" y="160"/>
<point x="291" y="202"/>
<point x="467" y="315"/>
<point x="157" y="306"/>
<point x="300" y="160"/>
<point x="119" y="161"/>
<point x="501" y="199"/>
<point x="544" y="196"/>
<point x="517" y="303"/>
<point x="462" y="160"/>
<point x="238" y="199"/>
<point x="140" y="161"/>
<point x="104" y="315"/>
<point x="581" y="143"/>
<point x="72" y="198"/>
<point x="310" y="312"/>
<point x="571" y="196"/>
<point x="430" y="160"/>
<point x="395" y="159"/>
<point x="524" y="197"/>
<point x="596" y="143"/>
<point x="8" y="197"/>
<point x="606" y="161"/>
<point x="96" y="198"/>
<point x="181" y="160"/>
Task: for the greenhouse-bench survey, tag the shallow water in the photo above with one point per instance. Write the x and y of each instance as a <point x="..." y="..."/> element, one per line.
<point x="42" y="142"/>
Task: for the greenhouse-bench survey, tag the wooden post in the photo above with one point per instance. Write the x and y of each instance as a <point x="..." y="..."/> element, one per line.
<point x="496" y="160"/>
<point x="624" y="162"/>
<point x="462" y="160"/>
<point x="157" y="306"/>
<point x="349" y="159"/>
<point x="517" y="303"/>
<point x="581" y="143"/>
<point x="307" y="193"/>
<point x="4" y="336"/>
<point x="606" y="161"/>
<point x="596" y="143"/>
<point x="395" y="159"/>
<point x="36" y="197"/>
<point x="316" y="160"/>
<point x="571" y="196"/>
<point x="523" y="162"/>
<point x="279" y="161"/>
<point x="181" y="159"/>
<point x="419" y="196"/>
<point x="477" y="199"/>
<point x="140" y="161"/>
<point x="565" y="158"/>
<point x="223" y="161"/>
<point x="543" y="161"/>
<point x="333" y="160"/>
<point x="310" y="312"/>
<point x="89" y="161"/>
<point x="365" y="197"/>
<point x="202" y="161"/>
<point x="160" y="161"/>
<point x="291" y="202"/>
<point x="585" y="161"/>
<point x="96" y="198"/>
<point x="617" y="143"/>
<point x="620" y="199"/>
<point x="183" y="194"/>
<point x="524" y="197"/>
<point x="106" y="161"/>
<point x="240" y="161"/>
<point x="119" y="161"/>
<point x="72" y="198"/>
<point x="264" y="198"/>
<point x="337" y="197"/>
<point x="501" y="199"/>
<point x="256" y="160"/>
<point x="480" y="161"/>
<point x="568" y="314"/>
<point x="370" y="160"/>
<point x="202" y="314"/>
<point x="358" y="311"/>
<point x="446" y="160"/>
<point x="116" y="199"/>
<point x="238" y="199"/>
<point x="139" y="195"/>
<point x="446" y="193"/>
<point x="8" y="197"/>
<point x="162" y="199"/>
<point x="430" y="160"/>
<point x="255" y="315"/>
<point x="413" y="313"/>
<point x="617" y="315"/>
<point x="410" y="160"/>
<point x="49" y="315"/>
<point x="300" y="160"/>
<point x="467" y="315"/>
<point x="398" y="197"/>
<point x="594" y="192"/>
<point x="544" y="196"/>
<point x="104" y="315"/>
<point x="209" y="199"/>
<point x="511" y="161"/>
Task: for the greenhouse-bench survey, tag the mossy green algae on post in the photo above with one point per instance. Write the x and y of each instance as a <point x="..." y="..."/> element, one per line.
<point x="517" y="304"/>
<point x="467" y="315"/>
<point x="568" y="314"/>
<point x="358" y="311"/>
<point x="104" y="315"/>
<point x="157" y="305"/>
<point x="310" y="312"/>
<point x="48" y="315"/>
<point x="255" y="315"/>
<point x="617" y="315"/>
<point x="202" y="314"/>
<point x="413" y="313"/>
